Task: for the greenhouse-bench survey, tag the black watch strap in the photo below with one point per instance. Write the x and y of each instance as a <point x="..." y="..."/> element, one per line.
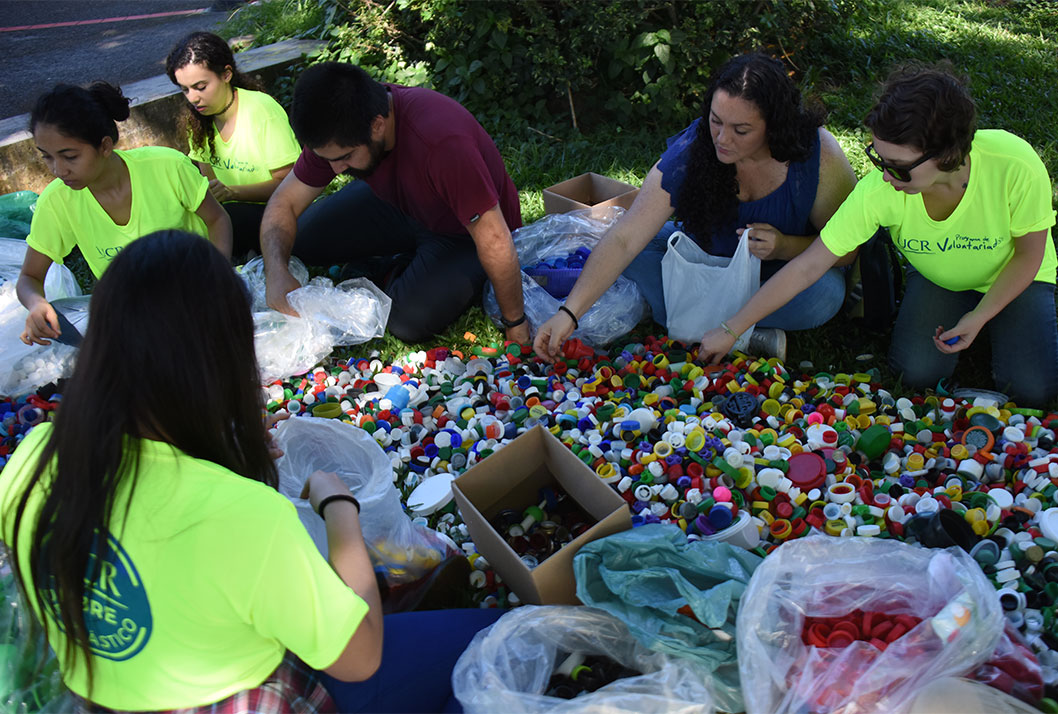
<point x="512" y="323"/>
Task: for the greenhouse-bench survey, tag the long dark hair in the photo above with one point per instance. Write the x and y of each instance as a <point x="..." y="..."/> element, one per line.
<point x="168" y="355"/>
<point x="928" y="107"/>
<point x="86" y="114"/>
<point x="708" y="200"/>
<point x="207" y="49"/>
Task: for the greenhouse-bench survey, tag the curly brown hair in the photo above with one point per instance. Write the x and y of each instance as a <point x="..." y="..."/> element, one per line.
<point x="708" y="199"/>
<point x="207" y="49"/>
<point x="927" y="107"/>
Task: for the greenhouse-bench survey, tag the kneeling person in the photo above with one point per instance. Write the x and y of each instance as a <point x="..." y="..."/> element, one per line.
<point x="433" y="186"/>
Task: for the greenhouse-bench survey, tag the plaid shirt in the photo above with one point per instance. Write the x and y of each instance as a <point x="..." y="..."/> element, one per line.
<point x="294" y="688"/>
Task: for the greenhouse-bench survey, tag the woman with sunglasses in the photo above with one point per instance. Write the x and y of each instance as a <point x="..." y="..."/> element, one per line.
<point x="971" y="212"/>
<point x="757" y="158"/>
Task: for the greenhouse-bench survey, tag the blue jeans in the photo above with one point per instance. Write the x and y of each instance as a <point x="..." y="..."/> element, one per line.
<point x="1024" y="339"/>
<point x="419" y="651"/>
<point x="810" y="308"/>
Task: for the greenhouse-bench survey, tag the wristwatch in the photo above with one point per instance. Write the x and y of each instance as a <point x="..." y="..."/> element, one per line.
<point x="512" y="323"/>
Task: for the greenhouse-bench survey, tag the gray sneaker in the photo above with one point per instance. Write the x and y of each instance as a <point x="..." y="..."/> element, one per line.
<point x="767" y="342"/>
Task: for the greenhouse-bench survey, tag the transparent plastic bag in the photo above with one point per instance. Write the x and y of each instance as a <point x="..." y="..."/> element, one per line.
<point x="703" y="289"/>
<point x="821" y="577"/>
<point x="614" y="314"/>
<point x="1013" y="668"/>
<point x="506" y="667"/>
<point x="59" y="282"/>
<point x="350" y="313"/>
<point x="30" y="682"/>
<point x="405" y="550"/>
<point x="24" y="368"/>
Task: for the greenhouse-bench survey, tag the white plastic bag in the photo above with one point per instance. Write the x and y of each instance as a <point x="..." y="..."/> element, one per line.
<point x="59" y="282"/>
<point x="702" y="290"/>
<point x="825" y="577"/>
<point x="350" y="313"/>
<point x="506" y="667"/>
<point x="24" y="368"/>
<point x="614" y="314"/>
<point x="404" y="549"/>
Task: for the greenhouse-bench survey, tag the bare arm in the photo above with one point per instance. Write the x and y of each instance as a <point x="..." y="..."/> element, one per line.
<point x="836" y="181"/>
<point x="794" y="277"/>
<point x="348" y="555"/>
<point x="42" y="322"/>
<point x="617" y="248"/>
<point x="1012" y="280"/>
<point x="218" y="224"/>
<point x="279" y="227"/>
<point x="492" y="238"/>
<point x="251" y="192"/>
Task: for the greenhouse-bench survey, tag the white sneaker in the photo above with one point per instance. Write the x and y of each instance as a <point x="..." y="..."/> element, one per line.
<point x="767" y="342"/>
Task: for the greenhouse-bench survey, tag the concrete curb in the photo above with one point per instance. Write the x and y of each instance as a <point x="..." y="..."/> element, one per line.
<point x="156" y="104"/>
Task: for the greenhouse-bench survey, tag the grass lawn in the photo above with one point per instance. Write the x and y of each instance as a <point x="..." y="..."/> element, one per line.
<point x="1005" y="47"/>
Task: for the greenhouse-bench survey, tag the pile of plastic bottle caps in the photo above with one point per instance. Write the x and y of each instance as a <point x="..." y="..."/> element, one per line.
<point x="769" y="452"/>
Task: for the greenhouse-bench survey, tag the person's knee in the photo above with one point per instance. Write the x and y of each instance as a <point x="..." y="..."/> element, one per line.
<point x="1026" y="388"/>
<point x="410" y="323"/>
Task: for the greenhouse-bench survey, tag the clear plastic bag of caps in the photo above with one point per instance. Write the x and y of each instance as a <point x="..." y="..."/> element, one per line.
<point x="617" y="310"/>
<point x="405" y="550"/>
<point x="822" y="577"/>
<point x="350" y="313"/>
<point x="24" y="368"/>
<point x="507" y="667"/>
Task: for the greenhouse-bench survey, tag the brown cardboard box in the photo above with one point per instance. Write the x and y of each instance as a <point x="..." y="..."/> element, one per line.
<point x="512" y="478"/>
<point x="588" y="190"/>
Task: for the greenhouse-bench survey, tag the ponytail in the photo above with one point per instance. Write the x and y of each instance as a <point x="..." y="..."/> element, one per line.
<point x="86" y="114"/>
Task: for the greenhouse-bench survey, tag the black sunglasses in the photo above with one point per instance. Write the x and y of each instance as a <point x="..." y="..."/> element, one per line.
<point x="900" y="173"/>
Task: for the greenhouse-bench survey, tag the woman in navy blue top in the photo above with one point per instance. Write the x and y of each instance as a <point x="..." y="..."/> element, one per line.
<point x="757" y="158"/>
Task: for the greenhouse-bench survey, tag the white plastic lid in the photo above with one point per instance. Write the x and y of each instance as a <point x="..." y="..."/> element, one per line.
<point x="431" y="495"/>
<point x="1049" y="523"/>
<point x="1002" y="497"/>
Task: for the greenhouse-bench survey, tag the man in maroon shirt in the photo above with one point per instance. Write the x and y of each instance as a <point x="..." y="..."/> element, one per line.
<point x="432" y="188"/>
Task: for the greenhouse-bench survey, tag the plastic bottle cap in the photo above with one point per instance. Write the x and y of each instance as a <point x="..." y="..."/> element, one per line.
<point x="808" y="470"/>
<point x="431" y="495"/>
<point x="1048" y="521"/>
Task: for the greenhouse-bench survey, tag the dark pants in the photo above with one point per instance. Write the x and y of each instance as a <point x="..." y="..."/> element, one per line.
<point x="1024" y="339"/>
<point x="245" y="227"/>
<point x="441" y="280"/>
<point x="419" y="651"/>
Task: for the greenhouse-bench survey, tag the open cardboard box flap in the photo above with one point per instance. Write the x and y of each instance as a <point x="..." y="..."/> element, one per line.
<point x="588" y="190"/>
<point x="512" y="478"/>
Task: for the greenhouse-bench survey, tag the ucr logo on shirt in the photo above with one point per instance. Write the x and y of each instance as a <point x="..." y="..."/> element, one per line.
<point x="116" y="610"/>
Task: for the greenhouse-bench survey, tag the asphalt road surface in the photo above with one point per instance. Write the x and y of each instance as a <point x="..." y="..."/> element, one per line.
<point x="50" y="51"/>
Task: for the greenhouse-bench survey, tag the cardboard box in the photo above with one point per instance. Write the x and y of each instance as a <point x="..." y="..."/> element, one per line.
<point x="512" y="478"/>
<point x="588" y="190"/>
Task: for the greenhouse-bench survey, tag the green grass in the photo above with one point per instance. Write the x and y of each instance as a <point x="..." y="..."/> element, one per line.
<point x="1006" y="48"/>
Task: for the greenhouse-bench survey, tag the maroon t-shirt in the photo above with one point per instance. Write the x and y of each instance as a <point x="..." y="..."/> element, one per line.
<point x="444" y="168"/>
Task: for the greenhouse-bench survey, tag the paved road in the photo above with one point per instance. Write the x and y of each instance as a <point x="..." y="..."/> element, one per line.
<point x="34" y="60"/>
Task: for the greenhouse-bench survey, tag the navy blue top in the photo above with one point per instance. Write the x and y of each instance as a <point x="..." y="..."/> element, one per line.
<point x="788" y="207"/>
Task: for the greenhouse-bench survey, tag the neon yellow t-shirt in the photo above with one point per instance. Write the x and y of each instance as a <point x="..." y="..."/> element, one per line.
<point x="167" y="189"/>
<point x="262" y="141"/>
<point x="1007" y="196"/>
<point x="207" y="583"/>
